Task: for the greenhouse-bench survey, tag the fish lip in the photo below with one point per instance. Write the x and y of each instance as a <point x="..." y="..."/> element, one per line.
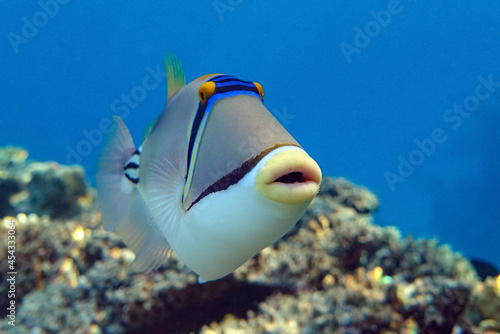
<point x="296" y="174"/>
<point x="291" y="177"/>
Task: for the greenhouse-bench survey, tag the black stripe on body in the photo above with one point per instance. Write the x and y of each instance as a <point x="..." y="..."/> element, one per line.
<point x="131" y="165"/>
<point x="236" y="175"/>
<point x="202" y="108"/>
<point x="219" y="90"/>
<point x="194" y="131"/>
<point x="221" y="78"/>
<point x="132" y="179"/>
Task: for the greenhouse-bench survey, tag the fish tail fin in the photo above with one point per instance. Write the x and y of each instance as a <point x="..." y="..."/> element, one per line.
<point x="122" y="206"/>
<point x="115" y="193"/>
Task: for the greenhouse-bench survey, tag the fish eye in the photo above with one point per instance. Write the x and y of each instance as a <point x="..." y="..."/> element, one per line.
<point x="261" y="90"/>
<point x="206" y="91"/>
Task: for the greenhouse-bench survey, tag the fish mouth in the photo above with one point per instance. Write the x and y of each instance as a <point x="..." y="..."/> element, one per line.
<point x="290" y="177"/>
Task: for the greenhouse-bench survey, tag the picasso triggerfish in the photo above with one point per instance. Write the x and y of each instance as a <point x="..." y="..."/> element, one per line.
<point x="216" y="180"/>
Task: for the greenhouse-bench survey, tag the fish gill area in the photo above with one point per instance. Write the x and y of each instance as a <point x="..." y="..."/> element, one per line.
<point x="336" y="271"/>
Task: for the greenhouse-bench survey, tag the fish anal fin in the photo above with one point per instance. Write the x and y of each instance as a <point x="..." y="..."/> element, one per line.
<point x="140" y="234"/>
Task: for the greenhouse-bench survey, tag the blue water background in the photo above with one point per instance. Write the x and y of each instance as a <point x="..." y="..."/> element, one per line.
<point x="358" y="115"/>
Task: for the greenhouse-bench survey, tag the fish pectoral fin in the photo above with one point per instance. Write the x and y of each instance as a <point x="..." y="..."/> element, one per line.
<point x="164" y="194"/>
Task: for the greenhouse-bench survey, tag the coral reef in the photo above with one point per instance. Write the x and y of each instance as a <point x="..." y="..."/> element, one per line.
<point x="335" y="272"/>
<point x="42" y="188"/>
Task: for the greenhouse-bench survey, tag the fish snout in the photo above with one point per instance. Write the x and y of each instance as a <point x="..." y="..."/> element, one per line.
<point x="290" y="177"/>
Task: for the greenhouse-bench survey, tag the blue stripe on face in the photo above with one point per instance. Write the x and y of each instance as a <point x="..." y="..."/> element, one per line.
<point x="225" y="86"/>
<point x="219" y="78"/>
<point x="235" y="83"/>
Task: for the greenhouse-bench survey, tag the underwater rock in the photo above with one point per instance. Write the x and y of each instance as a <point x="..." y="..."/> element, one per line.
<point x="12" y="160"/>
<point x="42" y="188"/>
<point x="486" y="302"/>
<point x="335" y="272"/>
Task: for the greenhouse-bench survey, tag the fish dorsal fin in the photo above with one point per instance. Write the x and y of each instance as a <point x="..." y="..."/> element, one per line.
<point x="175" y="74"/>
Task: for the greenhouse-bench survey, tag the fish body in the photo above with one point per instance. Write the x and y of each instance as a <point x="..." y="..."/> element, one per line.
<point x="216" y="180"/>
